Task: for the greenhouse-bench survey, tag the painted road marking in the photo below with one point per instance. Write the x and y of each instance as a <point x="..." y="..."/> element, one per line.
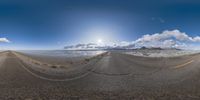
<point x="182" y="65"/>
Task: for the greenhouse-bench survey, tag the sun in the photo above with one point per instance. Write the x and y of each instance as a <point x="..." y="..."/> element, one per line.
<point x="99" y="41"/>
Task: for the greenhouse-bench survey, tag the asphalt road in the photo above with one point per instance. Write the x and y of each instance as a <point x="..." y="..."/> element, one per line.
<point x="115" y="76"/>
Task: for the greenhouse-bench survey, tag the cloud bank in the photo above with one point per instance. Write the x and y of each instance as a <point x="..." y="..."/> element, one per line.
<point x="4" y="40"/>
<point x="165" y="39"/>
<point x="180" y="36"/>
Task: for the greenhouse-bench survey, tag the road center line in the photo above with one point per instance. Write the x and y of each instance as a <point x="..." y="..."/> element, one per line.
<point x="182" y="65"/>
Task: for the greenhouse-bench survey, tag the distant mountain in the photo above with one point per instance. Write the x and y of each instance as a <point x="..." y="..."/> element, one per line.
<point x="93" y="46"/>
<point x="156" y="48"/>
<point x="150" y="48"/>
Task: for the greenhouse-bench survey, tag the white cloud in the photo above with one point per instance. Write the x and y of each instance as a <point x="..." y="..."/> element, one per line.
<point x="4" y="40"/>
<point x="168" y="43"/>
<point x="196" y="39"/>
<point x="173" y="38"/>
<point x="180" y="36"/>
<point x="165" y="39"/>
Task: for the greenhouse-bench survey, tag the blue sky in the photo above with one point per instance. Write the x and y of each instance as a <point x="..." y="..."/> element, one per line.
<point x="53" y="24"/>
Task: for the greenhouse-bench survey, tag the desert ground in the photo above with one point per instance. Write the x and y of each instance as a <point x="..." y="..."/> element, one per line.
<point x="107" y="76"/>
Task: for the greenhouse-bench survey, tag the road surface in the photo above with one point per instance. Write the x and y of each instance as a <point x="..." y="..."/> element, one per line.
<point x="115" y="76"/>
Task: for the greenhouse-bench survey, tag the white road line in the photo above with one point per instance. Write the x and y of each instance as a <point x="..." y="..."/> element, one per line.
<point x="182" y="65"/>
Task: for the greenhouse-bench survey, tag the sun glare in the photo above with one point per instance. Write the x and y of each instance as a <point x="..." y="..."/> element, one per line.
<point x="99" y="41"/>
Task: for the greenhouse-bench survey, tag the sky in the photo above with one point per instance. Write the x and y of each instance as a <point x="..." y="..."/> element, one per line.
<point x="54" y="24"/>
